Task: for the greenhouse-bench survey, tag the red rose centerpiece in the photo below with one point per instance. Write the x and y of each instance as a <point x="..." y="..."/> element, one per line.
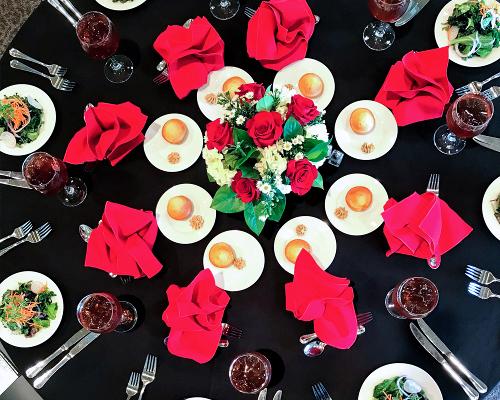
<point x="269" y="143"/>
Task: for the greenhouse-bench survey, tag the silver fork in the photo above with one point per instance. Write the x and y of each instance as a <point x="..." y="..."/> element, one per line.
<point x="475" y="86"/>
<point x="148" y="373"/>
<point x="480" y="275"/>
<point x="231" y="331"/>
<point x="492" y="93"/>
<point x="250" y="12"/>
<point x="481" y="291"/>
<point x="433" y="185"/>
<point x="35" y="236"/>
<point x="56" y="81"/>
<point x="133" y="385"/>
<point x="320" y="392"/>
<point x="53" y="69"/>
<point x="19" y="232"/>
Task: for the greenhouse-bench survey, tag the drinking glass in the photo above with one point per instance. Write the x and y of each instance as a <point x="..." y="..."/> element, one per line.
<point x="49" y="175"/>
<point x="249" y="373"/>
<point x="224" y="9"/>
<point x="104" y="313"/>
<point x="100" y="40"/>
<point x="380" y="35"/>
<point x="467" y="116"/>
<point x="414" y="298"/>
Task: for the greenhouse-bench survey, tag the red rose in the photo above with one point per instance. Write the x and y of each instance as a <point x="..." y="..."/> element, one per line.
<point x="219" y="135"/>
<point x="265" y="128"/>
<point x="257" y="89"/>
<point x="302" y="175"/>
<point x="303" y="109"/>
<point x="245" y="188"/>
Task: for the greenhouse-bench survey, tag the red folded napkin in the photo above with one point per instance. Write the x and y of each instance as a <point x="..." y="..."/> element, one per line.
<point x="111" y="132"/>
<point x="194" y="315"/>
<point x="315" y="295"/>
<point x="122" y="243"/>
<point x="279" y="32"/>
<point x="422" y="226"/>
<point x="417" y="88"/>
<point x="191" y="53"/>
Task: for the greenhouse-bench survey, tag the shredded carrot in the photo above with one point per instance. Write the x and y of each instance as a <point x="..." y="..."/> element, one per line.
<point x="20" y="113"/>
<point x="16" y="312"/>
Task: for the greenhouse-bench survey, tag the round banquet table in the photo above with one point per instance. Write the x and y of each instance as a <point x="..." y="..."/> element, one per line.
<point x="468" y="325"/>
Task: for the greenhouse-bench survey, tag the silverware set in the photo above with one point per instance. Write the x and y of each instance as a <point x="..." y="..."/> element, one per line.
<point x="25" y="233"/>
<point x="475" y="87"/>
<point x="443" y="355"/>
<point x="433" y="187"/>
<point x="146" y="377"/>
<point x="56" y="72"/>
<point x="490" y="142"/>
<point x="263" y="395"/>
<point x="320" y="392"/>
<point x="15" y="179"/>
<point x="483" y="277"/>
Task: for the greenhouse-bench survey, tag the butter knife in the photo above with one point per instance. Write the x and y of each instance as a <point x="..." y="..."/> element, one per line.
<point x="411" y="12"/>
<point x="262" y="394"/>
<point x="427" y="345"/>
<point x="427" y="331"/>
<point x="12" y="174"/>
<point x="35" y="369"/>
<point x="42" y="380"/>
<point x="490" y="142"/>
<point x="16" y="183"/>
<point x="277" y="395"/>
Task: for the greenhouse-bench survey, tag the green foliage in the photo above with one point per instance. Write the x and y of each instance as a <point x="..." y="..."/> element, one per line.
<point x="292" y="128"/>
<point x="225" y="201"/>
<point x="318" y="182"/>
<point x="254" y="217"/>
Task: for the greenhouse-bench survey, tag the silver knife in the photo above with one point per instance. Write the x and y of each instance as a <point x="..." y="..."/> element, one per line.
<point x="427" y="331"/>
<point x="42" y="380"/>
<point x="490" y="142"/>
<point x="12" y="174"/>
<point x="15" y="182"/>
<point x="277" y="395"/>
<point x="411" y="12"/>
<point x="263" y="394"/>
<point x="427" y="345"/>
<point x="35" y="369"/>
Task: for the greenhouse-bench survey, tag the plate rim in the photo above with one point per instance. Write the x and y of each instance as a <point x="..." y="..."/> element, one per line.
<point x="485" y="205"/>
<point x="109" y="5"/>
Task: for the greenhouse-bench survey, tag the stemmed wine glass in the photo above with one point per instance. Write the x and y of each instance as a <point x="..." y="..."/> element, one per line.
<point x="467" y="116"/>
<point x="104" y="313"/>
<point x="224" y="9"/>
<point x="49" y="175"/>
<point x="380" y="35"/>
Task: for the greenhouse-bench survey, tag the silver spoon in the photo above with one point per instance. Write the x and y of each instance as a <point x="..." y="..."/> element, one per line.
<point x="85" y="232"/>
<point x="314" y="348"/>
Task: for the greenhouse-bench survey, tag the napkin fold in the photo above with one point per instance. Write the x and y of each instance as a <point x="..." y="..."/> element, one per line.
<point x="122" y="243"/>
<point x="111" y="132"/>
<point x="316" y="295"/>
<point x="422" y="226"/>
<point x="279" y="32"/>
<point x="194" y="315"/>
<point x="417" y="87"/>
<point x="191" y="54"/>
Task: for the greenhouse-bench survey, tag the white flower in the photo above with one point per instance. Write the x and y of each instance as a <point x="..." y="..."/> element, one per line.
<point x="300" y="139"/>
<point x="318" y="131"/>
<point x="299" y="156"/>
<point x="215" y="168"/>
<point x="295" y="141"/>
<point x="285" y="189"/>
<point x="240" y="120"/>
<point x="249" y="95"/>
<point x="230" y="114"/>
<point x="227" y="106"/>
<point x="265" y="188"/>
<point x="286" y="94"/>
<point x="279" y="145"/>
<point x="287" y="146"/>
<point x="282" y="109"/>
<point x="271" y="160"/>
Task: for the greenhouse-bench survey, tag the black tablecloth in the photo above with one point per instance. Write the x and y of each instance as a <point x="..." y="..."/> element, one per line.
<point x="468" y="325"/>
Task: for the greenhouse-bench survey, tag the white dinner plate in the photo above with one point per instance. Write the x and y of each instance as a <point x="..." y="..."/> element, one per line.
<point x="318" y="234"/>
<point x="214" y="85"/>
<point x="197" y="398"/>
<point x="181" y="231"/>
<point x="12" y="282"/>
<point x="488" y="214"/>
<point x="388" y="371"/>
<point x="442" y="40"/>
<point x="356" y="223"/>
<point x="292" y="73"/>
<point x="48" y="118"/>
<point x="245" y="246"/>
<point x="383" y="136"/>
<point x="119" y="6"/>
<point x="157" y="149"/>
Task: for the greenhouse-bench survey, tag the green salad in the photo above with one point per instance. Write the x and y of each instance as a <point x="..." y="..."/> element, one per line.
<point x="474" y="28"/>
<point x="395" y="389"/>
<point x="28" y="309"/>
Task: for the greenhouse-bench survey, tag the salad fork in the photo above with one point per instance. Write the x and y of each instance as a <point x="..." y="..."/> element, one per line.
<point x="133" y="385"/>
<point x="433" y="185"/>
<point x="475" y="87"/>
<point x="53" y="69"/>
<point x="481" y="291"/>
<point x="480" y="275"/>
<point x="148" y="373"/>
<point x="250" y="12"/>
<point x="492" y="93"/>
<point x="19" y="232"/>
<point x="58" y="82"/>
<point x="35" y="236"/>
<point x="320" y="392"/>
<point x="231" y="331"/>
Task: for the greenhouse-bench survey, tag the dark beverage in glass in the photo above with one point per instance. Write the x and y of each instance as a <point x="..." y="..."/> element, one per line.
<point x="388" y="10"/>
<point x="44" y="173"/>
<point x="413" y="298"/>
<point x="249" y="373"/>
<point x="98" y="36"/>
<point x="469" y="115"/>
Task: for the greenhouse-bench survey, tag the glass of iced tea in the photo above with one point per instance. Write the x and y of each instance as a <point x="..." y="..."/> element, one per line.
<point x="48" y="175"/>
<point x="467" y="116"/>
<point x="380" y="35"/>
<point x="104" y="313"/>
<point x="413" y="298"/>
<point x="249" y="373"/>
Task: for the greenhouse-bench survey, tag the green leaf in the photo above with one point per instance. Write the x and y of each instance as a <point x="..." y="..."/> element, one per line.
<point x="318" y="182"/>
<point x="265" y="104"/>
<point x="230" y="160"/>
<point x="278" y="209"/>
<point x="252" y="214"/>
<point x="318" y="152"/>
<point x="244" y="159"/>
<point x="248" y="171"/>
<point x="51" y="310"/>
<point x="45" y="323"/>
<point x="241" y="137"/>
<point x="210" y="178"/>
<point x="225" y="201"/>
<point x="292" y="128"/>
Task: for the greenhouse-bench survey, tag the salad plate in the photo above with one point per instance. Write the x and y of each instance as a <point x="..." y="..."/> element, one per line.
<point x="45" y="316"/>
<point x="491" y="196"/>
<point x="45" y="120"/>
<point x="389" y="371"/>
<point x="119" y="5"/>
<point x="442" y="39"/>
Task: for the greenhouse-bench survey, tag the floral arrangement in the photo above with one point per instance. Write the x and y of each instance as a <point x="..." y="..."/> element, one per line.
<point x="269" y="143"/>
